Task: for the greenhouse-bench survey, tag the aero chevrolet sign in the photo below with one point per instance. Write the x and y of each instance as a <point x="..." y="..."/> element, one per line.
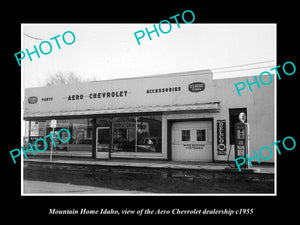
<point x="191" y="88"/>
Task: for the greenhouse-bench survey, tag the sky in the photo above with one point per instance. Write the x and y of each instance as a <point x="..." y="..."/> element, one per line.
<point x="110" y="51"/>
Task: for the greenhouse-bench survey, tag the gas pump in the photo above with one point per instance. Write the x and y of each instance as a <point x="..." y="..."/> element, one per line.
<point x="242" y="139"/>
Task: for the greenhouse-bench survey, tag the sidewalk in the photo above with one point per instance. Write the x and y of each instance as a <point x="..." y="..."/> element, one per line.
<point x="154" y="164"/>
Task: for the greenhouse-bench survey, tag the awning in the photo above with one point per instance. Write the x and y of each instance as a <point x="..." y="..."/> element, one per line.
<point x="203" y="107"/>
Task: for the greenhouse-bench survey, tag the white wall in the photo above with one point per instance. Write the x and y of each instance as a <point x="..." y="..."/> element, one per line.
<point x="260" y="110"/>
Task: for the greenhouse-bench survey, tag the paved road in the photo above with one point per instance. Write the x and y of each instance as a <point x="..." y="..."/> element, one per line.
<point x="42" y="187"/>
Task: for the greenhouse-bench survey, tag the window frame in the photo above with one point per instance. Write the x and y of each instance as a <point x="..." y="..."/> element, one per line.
<point x="205" y="135"/>
<point x="185" y="135"/>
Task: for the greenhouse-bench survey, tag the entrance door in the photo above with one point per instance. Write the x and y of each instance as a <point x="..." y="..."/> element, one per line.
<point x="192" y="141"/>
<point x="103" y="142"/>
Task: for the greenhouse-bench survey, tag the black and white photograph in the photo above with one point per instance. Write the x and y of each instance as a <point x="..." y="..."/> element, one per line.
<point x="137" y="113"/>
<point x="149" y="114"/>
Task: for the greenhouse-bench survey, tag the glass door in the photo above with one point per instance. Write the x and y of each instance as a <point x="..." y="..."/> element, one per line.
<point x="103" y="142"/>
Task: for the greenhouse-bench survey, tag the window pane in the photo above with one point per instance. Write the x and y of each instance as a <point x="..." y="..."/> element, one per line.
<point x="124" y="134"/>
<point x="36" y="130"/>
<point x="59" y="125"/>
<point x="103" y="139"/>
<point x="185" y="135"/>
<point x="103" y="136"/>
<point x="201" y="135"/>
<point x="81" y="136"/>
<point x="80" y="130"/>
<point x="149" y="134"/>
<point x="103" y="121"/>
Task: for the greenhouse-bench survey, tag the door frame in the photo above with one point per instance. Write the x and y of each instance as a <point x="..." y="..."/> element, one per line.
<point x="96" y="142"/>
<point x="169" y="134"/>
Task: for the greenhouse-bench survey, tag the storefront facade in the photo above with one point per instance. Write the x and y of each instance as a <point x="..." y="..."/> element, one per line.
<point x="181" y="116"/>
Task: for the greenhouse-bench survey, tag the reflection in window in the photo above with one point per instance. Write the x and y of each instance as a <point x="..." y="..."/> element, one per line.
<point x="137" y="134"/>
<point x="81" y="133"/>
<point x="80" y="130"/>
<point x="59" y="125"/>
<point x="149" y="134"/>
<point x="103" y="139"/>
<point x="124" y="134"/>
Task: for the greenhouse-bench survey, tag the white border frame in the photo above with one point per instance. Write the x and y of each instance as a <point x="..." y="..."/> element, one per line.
<point x="154" y="194"/>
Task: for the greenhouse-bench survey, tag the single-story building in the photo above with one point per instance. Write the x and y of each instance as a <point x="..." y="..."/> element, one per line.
<point x="186" y="116"/>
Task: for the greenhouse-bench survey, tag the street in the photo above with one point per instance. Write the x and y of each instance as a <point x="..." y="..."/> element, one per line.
<point x="114" y="180"/>
<point x="42" y="187"/>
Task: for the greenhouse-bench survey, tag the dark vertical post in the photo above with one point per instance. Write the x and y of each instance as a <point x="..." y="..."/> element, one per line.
<point x="94" y="138"/>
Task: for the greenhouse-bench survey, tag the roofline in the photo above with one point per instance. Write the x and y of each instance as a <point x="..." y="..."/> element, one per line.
<point x="175" y="74"/>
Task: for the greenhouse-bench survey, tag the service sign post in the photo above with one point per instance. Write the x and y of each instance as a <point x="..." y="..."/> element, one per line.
<point x="52" y="125"/>
<point x="221" y="137"/>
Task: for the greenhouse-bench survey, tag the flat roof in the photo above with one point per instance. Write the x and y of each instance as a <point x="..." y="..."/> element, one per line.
<point x="174" y="74"/>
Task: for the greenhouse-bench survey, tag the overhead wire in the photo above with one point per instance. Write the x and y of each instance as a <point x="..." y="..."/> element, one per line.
<point x="247" y="64"/>
<point x="27" y="35"/>
<point x="242" y="69"/>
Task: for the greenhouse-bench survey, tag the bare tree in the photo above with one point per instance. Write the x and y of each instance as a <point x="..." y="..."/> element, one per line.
<point x="63" y="78"/>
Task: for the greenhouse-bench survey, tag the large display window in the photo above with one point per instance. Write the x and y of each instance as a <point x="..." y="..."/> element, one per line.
<point x="124" y="134"/>
<point x="80" y="130"/>
<point x="132" y="134"/>
<point x="137" y="134"/>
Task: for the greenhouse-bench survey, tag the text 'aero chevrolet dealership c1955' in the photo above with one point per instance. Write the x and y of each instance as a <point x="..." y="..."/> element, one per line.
<point x="186" y="116"/>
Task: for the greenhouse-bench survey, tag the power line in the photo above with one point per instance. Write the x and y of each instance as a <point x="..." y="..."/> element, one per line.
<point x="32" y="37"/>
<point x="248" y="64"/>
<point x="242" y="69"/>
